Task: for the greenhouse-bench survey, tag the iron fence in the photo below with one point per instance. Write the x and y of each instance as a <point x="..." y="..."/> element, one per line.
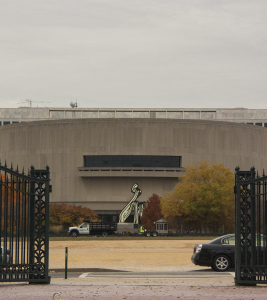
<point x="24" y="221"/>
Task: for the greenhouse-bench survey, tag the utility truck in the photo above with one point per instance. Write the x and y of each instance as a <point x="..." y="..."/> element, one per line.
<point x="106" y="228"/>
<point x="93" y="228"/>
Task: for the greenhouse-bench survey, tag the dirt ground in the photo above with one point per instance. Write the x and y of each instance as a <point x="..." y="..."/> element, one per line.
<point x="130" y="255"/>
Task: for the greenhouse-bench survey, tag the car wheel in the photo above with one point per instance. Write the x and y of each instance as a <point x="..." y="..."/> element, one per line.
<point x="154" y="234"/>
<point x="104" y="234"/>
<point x="148" y="234"/>
<point x="74" y="234"/>
<point x="221" y="263"/>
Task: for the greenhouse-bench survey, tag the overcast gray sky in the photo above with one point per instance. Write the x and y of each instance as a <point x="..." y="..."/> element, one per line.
<point x="134" y="53"/>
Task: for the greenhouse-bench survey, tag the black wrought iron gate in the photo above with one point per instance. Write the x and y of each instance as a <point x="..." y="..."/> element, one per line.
<point x="251" y="228"/>
<point x="24" y="221"/>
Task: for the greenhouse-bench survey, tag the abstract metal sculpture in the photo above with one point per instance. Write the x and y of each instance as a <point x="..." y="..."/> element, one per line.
<point x="133" y="204"/>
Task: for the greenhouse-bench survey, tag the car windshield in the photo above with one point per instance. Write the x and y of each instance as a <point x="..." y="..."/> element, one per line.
<point x="214" y="241"/>
<point x="230" y="240"/>
<point x="259" y="241"/>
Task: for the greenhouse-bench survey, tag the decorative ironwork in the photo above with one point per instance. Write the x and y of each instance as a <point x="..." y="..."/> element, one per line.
<point x="24" y="221"/>
<point x="251" y="228"/>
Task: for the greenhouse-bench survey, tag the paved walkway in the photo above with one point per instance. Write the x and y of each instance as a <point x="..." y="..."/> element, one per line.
<point x="83" y="290"/>
<point x="190" y="284"/>
<point x="203" y="277"/>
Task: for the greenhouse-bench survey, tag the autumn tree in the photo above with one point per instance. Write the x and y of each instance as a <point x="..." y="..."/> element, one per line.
<point x="203" y="198"/>
<point x="8" y="202"/>
<point x="70" y="215"/>
<point x="151" y="212"/>
<point x="14" y="200"/>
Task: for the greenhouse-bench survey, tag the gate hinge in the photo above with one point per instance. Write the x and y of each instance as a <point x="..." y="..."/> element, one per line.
<point x="235" y="189"/>
<point x="50" y="188"/>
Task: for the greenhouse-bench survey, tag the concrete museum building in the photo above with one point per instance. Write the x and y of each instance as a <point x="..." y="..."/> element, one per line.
<point x="96" y="155"/>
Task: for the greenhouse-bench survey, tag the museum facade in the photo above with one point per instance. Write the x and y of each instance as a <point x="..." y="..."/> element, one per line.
<point x="95" y="161"/>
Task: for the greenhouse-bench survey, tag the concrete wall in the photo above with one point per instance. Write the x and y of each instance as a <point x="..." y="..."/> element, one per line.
<point x="228" y="114"/>
<point x="62" y="145"/>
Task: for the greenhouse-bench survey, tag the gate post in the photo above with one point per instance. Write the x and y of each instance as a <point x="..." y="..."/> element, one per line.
<point x="237" y="228"/>
<point x="41" y="228"/>
<point x="32" y="223"/>
<point x="253" y="218"/>
<point x="47" y="191"/>
<point x="250" y="229"/>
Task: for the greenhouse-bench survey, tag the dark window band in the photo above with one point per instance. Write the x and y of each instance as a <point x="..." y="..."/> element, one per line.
<point x="146" y="161"/>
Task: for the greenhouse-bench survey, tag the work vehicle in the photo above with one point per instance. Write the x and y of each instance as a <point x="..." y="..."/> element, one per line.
<point x="219" y="254"/>
<point x="150" y="233"/>
<point x="93" y="228"/>
<point x="4" y="256"/>
<point x="106" y="228"/>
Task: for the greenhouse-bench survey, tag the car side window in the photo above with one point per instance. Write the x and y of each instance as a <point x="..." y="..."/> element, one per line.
<point x="229" y="241"/>
<point x="225" y="241"/>
<point x="232" y="240"/>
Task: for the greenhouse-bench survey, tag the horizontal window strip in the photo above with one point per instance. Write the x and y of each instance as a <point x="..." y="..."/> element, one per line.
<point x="147" y="161"/>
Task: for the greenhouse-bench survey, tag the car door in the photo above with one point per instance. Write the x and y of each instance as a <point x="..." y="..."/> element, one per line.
<point x="228" y="244"/>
